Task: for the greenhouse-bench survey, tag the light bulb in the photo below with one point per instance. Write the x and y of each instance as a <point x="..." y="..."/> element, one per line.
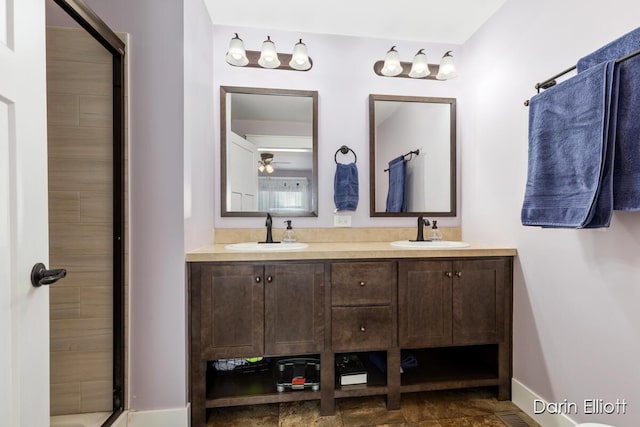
<point x="420" y="67"/>
<point x="236" y="54"/>
<point x="300" y="57"/>
<point x="269" y="55"/>
<point x="447" y="68"/>
<point x="392" y="66"/>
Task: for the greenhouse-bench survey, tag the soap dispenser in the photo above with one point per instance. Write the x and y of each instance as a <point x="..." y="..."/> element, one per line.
<point x="435" y="234"/>
<point x="289" y="235"/>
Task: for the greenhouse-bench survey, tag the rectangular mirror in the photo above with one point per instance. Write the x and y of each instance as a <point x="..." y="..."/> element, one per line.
<point x="412" y="155"/>
<point x="269" y="152"/>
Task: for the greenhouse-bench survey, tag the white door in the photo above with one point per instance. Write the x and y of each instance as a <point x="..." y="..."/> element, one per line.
<point x="24" y="309"/>
<point x="242" y="174"/>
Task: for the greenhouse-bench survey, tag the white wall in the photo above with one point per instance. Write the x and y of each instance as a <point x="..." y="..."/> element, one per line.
<point x="576" y="315"/>
<point x="343" y="76"/>
<point x="198" y="125"/>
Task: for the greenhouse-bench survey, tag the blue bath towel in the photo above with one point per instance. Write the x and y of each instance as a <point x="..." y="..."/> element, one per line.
<point x="396" y="200"/>
<point x="626" y="169"/>
<point x="345" y="187"/>
<point x="570" y="152"/>
<point x="618" y="48"/>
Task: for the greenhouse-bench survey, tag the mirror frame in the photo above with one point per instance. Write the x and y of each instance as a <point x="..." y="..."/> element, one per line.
<point x="372" y="159"/>
<point x="224" y="90"/>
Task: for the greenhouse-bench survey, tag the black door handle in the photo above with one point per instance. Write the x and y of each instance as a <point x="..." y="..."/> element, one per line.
<point x="41" y="276"/>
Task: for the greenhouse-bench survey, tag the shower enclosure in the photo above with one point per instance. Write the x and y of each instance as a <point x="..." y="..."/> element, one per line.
<point x="86" y="151"/>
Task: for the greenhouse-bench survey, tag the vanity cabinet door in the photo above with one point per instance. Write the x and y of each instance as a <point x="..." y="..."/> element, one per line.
<point x="293" y="308"/>
<point x="479" y="300"/>
<point x="231" y="310"/>
<point x="453" y="302"/>
<point x="424" y="303"/>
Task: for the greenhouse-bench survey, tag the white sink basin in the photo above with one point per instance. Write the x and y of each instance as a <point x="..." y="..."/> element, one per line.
<point x="266" y="247"/>
<point x="439" y="244"/>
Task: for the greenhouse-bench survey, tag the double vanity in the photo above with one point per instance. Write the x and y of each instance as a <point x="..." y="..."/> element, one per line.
<point x="447" y="306"/>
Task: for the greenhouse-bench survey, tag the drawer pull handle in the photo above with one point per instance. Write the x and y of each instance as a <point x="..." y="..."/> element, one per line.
<point x="269" y="279"/>
<point x="459" y="273"/>
<point x="258" y="279"/>
<point x="448" y="274"/>
<point x="363" y="329"/>
<point x="362" y="283"/>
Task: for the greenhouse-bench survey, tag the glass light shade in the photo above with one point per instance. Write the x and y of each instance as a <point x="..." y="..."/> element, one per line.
<point x="420" y="66"/>
<point x="269" y="168"/>
<point x="269" y="55"/>
<point x="261" y="167"/>
<point x="392" y="66"/>
<point x="236" y="54"/>
<point x="300" y="57"/>
<point x="447" y="68"/>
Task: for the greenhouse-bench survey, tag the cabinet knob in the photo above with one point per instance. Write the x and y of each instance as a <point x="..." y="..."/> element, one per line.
<point x="269" y="279"/>
<point x="258" y="279"/>
<point x="448" y="273"/>
<point x="459" y="273"/>
<point x="361" y="283"/>
<point x="363" y="329"/>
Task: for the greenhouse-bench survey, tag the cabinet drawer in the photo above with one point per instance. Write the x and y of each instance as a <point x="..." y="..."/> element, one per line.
<point x="362" y="328"/>
<point x="362" y="283"/>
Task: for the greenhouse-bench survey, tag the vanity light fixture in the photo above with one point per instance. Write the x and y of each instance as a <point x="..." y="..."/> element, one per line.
<point x="268" y="56"/>
<point x="418" y="69"/>
<point x="236" y="55"/>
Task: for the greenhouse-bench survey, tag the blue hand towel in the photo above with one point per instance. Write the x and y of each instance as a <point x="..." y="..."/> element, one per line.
<point x="570" y="156"/>
<point x="396" y="200"/>
<point x="345" y="187"/>
<point x="626" y="168"/>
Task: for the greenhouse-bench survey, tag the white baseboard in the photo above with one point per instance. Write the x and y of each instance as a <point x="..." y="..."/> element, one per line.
<point x="178" y="417"/>
<point x="524" y="398"/>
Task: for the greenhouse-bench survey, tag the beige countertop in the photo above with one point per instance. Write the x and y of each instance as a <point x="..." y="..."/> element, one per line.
<point x="344" y="250"/>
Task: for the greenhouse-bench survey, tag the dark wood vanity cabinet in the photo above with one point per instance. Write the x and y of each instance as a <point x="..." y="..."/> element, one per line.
<point x="242" y="310"/>
<point x="452" y="314"/>
<point x="456" y="314"/>
<point x="452" y="302"/>
<point x="249" y="310"/>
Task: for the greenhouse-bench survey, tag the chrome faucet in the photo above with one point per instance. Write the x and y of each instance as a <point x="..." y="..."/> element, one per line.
<point x="268" y="223"/>
<point x="421" y="223"/>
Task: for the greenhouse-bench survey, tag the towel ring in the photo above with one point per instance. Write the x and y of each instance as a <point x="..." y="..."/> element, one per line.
<point x="345" y="150"/>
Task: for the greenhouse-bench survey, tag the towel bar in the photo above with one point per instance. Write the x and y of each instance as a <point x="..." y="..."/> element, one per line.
<point x="410" y="153"/>
<point x="551" y="81"/>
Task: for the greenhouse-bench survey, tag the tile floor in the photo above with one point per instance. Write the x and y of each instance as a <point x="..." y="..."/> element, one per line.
<point x="458" y="408"/>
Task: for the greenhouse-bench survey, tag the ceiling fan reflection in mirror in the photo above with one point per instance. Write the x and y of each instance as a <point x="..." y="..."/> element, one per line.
<point x="265" y="164"/>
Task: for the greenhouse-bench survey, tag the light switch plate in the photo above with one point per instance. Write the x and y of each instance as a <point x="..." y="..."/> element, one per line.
<point x="341" y="220"/>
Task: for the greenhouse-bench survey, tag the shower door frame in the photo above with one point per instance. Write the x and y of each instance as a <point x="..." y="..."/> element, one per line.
<point x="79" y="11"/>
